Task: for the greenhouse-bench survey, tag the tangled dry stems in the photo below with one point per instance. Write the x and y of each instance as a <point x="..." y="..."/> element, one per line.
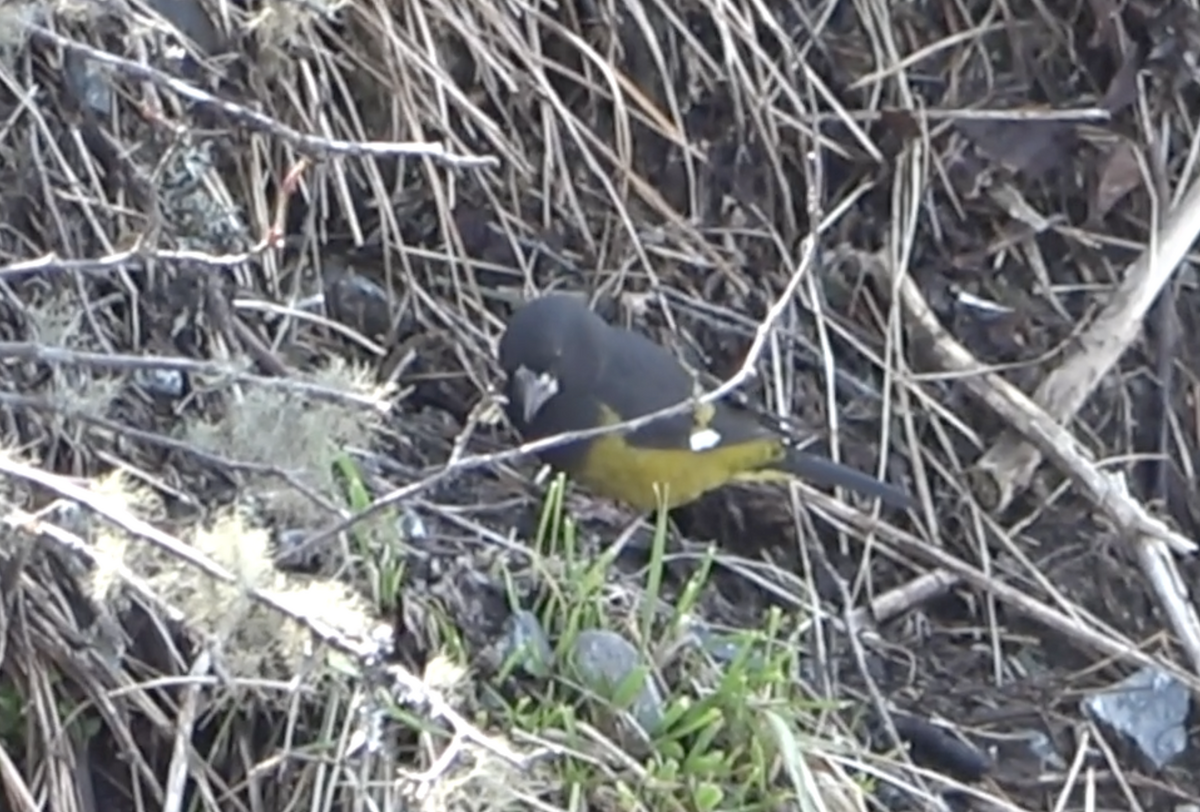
<point x="455" y="154"/>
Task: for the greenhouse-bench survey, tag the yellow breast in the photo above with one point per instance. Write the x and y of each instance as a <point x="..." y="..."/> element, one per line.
<point x="636" y="476"/>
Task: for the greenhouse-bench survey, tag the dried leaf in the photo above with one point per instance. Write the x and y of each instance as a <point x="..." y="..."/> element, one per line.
<point x="1022" y="145"/>
<point x="1120" y="174"/>
<point x="1107" y="14"/>
<point x="1122" y="90"/>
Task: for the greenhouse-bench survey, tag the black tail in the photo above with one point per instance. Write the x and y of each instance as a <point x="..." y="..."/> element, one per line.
<point x="824" y="471"/>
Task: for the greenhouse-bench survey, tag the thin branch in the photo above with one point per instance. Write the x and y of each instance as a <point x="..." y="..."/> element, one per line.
<point x="1012" y="461"/>
<point x="259" y="122"/>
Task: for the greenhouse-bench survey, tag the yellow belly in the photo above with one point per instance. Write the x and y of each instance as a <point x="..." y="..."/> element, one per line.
<point x="644" y="478"/>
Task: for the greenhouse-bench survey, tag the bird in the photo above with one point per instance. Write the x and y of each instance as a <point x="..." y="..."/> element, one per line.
<point x="567" y="369"/>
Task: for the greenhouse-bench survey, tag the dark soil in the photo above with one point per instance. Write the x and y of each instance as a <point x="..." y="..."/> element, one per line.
<point x="694" y="252"/>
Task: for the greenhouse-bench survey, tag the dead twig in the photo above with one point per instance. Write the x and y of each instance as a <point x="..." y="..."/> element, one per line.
<point x="259" y="122"/>
<point x="1153" y="540"/>
<point x="1091" y="633"/>
<point x="31" y="351"/>
<point x="136" y="257"/>
<point x="1012" y="460"/>
<point x="364" y="651"/>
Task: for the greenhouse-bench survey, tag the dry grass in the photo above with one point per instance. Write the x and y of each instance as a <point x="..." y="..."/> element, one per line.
<point x="172" y="401"/>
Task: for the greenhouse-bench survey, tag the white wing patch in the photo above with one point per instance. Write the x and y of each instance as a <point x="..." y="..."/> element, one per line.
<point x="704" y="440"/>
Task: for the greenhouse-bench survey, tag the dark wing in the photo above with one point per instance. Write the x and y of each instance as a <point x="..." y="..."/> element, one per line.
<point x="736" y="425"/>
<point x="639" y="377"/>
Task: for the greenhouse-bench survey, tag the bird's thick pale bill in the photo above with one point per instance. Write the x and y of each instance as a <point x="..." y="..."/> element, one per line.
<point x="533" y="390"/>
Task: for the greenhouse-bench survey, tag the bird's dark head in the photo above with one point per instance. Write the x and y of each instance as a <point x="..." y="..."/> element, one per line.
<point x="552" y="344"/>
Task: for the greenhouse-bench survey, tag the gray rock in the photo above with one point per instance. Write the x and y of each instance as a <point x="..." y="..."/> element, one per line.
<point x="1149" y="708"/>
<point x="526" y="644"/>
<point x="603" y="661"/>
